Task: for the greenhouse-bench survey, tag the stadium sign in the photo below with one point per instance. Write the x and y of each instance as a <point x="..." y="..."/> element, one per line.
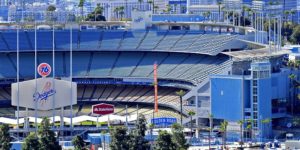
<point x="44" y="93"/>
<point x="103" y="109"/>
<point x="44" y="69"/>
<point x="163" y="121"/>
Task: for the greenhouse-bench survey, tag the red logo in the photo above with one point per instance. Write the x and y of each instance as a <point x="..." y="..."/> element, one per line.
<point x="103" y="109"/>
<point x="44" y="69"/>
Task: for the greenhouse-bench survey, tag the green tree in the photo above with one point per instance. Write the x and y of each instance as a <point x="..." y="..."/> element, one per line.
<point x="241" y="124"/>
<point x="164" y="141"/>
<point x="168" y="10"/>
<point x="180" y="93"/>
<point x="223" y="129"/>
<point x="191" y="114"/>
<point x="121" y="11"/>
<point x="178" y="137"/>
<point x="51" y="8"/>
<point x="150" y="2"/>
<point x="219" y="10"/>
<point x="249" y="128"/>
<point x="49" y="16"/>
<point x="96" y="15"/>
<point x="296" y="121"/>
<point x="295" y="37"/>
<point x="137" y="137"/>
<point x="206" y="15"/>
<point x="155" y="8"/>
<point x="46" y="136"/>
<point x="4" y="137"/>
<point x="151" y="127"/>
<point x="119" y="139"/>
<point x="140" y="2"/>
<point x="210" y="117"/>
<point x="81" y="4"/>
<point x="265" y="122"/>
<point x="116" y="10"/>
<point x="31" y="142"/>
<point x="78" y="142"/>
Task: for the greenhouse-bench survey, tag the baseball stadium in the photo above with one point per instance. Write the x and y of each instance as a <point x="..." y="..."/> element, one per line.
<point x="164" y="70"/>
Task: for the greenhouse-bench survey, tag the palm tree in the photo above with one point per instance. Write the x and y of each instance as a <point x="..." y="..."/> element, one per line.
<point x="286" y="14"/>
<point x="271" y="3"/>
<point x="296" y="121"/>
<point x="116" y="10"/>
<point x="219" y="13"/>
<point x="241" y="123"/>
<point x="81" y="3"/>
<point x="223" y="129"/>
<point x="151" y="127"/>
<point x="121" y="11"/>
<point x="155" y="8"/>
<point x="244" y="9"/>
<point x="249" y="127"/>
<point x="292" y="78"/>
<point x="290" y="63"/>
<point x="265" y="122"/>
<point x="206" y="14"/>
<point x="191" y="114"/>
<point x="180" y="94"/>
<point x="293" y="12"/>
<point x="210" y="116"/>
<point x="140" y="2"/>
<point x="175" y="8"/>
<point x="168" y="8"/>
<point x="98" y="11"/>
<point x="150" y="4"/>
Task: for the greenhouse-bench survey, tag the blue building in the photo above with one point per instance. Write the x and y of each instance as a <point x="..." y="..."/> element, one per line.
<point x="257" y="95"/>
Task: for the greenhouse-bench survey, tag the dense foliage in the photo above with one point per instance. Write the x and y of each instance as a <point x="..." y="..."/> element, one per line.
<point x="4" y="137"/>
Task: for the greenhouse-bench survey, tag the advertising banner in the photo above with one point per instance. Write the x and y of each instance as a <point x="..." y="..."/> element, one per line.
<point x="103" y="109"/>
<point x="44" y="93"/>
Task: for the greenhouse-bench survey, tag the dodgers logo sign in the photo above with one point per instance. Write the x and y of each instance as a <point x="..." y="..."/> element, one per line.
<point x="47" y="91"/>
<point x="44" y="69"/>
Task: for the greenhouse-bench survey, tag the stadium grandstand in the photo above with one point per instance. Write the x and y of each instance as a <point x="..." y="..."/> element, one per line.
<point x="116" y="65"/>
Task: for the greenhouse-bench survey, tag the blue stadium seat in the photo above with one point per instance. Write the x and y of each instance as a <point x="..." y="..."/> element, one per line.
<point x="3" y="46"/>
<point x="111" y="40"/>
<point x="170" y="39"/>
<point x="27" y="68"/>
<point x="59" y="63"/>
<point x="80" y="64"/>
<point x="8" y="69"/>
<point x="146" y="65"/>
<point x="125" y="64"/>
<point x="44" y="39"/>
<point x="151" y="40"/>
<point x="169" y="64"/>
<point x="63" y="39"/>
<point x="132" y="39"/>
<point x="89" y="39"/>
<point x="102" y="63"/>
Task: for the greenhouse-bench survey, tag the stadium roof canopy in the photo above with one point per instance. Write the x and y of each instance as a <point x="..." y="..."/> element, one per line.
<point x="68" y="120"/>
<point x="255" y="54"/>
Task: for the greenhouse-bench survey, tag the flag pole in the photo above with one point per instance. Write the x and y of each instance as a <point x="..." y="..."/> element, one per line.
<point x="155" y="88"/>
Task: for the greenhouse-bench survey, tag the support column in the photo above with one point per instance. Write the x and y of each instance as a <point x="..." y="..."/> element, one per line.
<point x="197" y="114"/>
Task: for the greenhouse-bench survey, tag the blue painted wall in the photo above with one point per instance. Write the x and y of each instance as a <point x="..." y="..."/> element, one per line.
<point x="226" y="98"/>
<point x="280" y="85"/>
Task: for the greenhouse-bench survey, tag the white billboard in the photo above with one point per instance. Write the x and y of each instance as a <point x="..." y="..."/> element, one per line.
<point x="44" y="93"/>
